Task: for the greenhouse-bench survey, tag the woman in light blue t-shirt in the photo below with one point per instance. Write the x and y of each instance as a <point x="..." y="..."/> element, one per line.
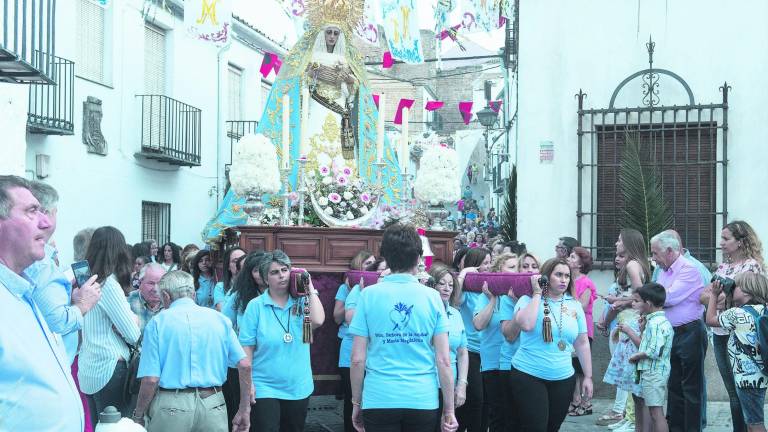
<point x="552" y="325"/>
<point x="400" y="333"/>
<point x="271" y="335"/>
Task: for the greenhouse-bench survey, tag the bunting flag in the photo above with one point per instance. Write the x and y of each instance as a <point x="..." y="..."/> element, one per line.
<point x="209" y="20"/>
<point x="376" y="99"/>
<point x="495" y="105"/>
<point x="404" y="103"/>
<point x="434" y="105"/>
<point x="367" y="29"/>
<point x="465" y="108"/>
<point x="386" y="60"/>
<point x="402" y="29"/>
<point x="269" y="63"/>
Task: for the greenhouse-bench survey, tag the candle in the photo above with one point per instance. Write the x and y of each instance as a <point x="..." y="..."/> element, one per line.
<point x="404" y="142"/>
<point x="304" y="146"/>
<point x="286" y="130"/>
<point x="380" y="129"/>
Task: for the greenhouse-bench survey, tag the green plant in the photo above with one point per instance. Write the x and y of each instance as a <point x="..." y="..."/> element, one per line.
<point x="645" y="207"/>
<point x="508" y="218"/>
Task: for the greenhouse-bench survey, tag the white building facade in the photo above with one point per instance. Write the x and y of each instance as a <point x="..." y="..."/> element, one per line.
<point x="169" y="107"/>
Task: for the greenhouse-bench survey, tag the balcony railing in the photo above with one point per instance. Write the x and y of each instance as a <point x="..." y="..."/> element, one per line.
<point x="27" y="32"/>
<point x="170" y="130"/>
<point x="51" y="107"/>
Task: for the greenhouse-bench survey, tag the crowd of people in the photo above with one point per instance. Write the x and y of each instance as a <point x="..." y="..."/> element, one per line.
<point x="175" y="345"/>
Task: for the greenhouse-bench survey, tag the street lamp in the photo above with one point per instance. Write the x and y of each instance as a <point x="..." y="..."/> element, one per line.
<point x="487" y="118"/>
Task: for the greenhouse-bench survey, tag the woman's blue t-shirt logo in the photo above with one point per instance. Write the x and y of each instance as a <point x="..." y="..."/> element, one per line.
<point x="400" y="315"/>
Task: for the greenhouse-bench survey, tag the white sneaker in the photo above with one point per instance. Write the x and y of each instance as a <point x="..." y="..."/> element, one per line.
<point x="617" y="425"/>
<point x="627" y="427"/>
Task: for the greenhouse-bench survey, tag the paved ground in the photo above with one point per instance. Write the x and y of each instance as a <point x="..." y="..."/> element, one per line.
<point x="325" y="416"/>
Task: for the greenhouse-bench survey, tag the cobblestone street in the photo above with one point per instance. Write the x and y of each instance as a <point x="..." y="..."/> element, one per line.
<point x="325" y="416"/>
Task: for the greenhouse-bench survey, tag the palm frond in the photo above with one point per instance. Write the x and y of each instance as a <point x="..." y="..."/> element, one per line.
<point x="646" y="209"/>
<point x="508" y="222"/>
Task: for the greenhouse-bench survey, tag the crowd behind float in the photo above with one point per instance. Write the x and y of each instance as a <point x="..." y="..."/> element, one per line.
<point x="157" y="333"/>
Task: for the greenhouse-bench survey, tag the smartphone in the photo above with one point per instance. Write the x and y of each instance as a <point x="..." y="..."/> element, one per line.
<point x="299" y="283"/>
<point x="82" y="272"/>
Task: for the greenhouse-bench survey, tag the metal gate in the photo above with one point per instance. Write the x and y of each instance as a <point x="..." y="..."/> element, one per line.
<point x="686" y="143"/>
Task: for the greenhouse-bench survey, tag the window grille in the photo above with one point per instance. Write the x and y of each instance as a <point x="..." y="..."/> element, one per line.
<point x="156" y="221"/>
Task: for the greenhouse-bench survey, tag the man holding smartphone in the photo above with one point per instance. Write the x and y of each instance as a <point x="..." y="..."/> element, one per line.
<point x="35" y="371"/>
<point x="53" y="293"/>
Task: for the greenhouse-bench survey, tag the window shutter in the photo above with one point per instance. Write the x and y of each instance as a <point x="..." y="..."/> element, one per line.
<point x="154" y="60"/>
<point x="266" y="87"/>
<point x="90" y="40"/>
<point x="235" y="81"/>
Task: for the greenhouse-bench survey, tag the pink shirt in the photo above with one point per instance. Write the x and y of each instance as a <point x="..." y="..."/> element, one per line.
<point x="684" y="285"/>
<point x="580" y="285"/>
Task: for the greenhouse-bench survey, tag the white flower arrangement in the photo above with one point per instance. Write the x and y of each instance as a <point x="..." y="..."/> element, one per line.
<point x="254" y="166"/>
<point x="438" y="178"/>
<point x="337" y="192"/>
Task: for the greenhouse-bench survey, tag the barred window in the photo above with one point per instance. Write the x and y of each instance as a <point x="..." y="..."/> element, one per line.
<point x="156" y="221"/>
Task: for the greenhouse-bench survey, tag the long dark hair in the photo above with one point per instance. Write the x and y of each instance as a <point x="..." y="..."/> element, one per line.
<point x="637" y="250"/>
<point x="475" y="257"/>
<point x="196" y="267"/>
<point x="227" y="277"/>
<point x="244" y="285"/>
<point x="108" y="254"/>
<point x="176" y="257"/>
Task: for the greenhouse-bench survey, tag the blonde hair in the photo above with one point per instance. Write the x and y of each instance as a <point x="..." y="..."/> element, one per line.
<point x="754" y="284"/>
<point x="750" y="242"/>
<point x="438" y="272"/>
<point x="499" y="261"/>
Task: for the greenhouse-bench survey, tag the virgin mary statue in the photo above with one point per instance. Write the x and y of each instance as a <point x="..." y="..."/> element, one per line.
<point x="342" y="115"/>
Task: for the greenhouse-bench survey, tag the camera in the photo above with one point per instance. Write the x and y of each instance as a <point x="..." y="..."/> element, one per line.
<point x="543" y="282"/>
<point x="726" y="283"/>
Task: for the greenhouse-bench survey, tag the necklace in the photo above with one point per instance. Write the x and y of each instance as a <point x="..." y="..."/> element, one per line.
<point x="561" y="344"/>
<point x="287" y="336"/>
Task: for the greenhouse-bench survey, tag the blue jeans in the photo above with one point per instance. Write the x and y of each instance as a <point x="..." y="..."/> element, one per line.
<point x="752" y="400"/>
<point x="720" y="344"/>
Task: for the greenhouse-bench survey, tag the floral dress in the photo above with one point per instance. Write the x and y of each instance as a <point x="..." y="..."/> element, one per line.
<point x="620" y="371"/>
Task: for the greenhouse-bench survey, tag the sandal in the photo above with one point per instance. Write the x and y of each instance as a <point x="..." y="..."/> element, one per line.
<point x="572" y="408"/>
<point x="609" y="418"/>
<point x="581" y="411"/>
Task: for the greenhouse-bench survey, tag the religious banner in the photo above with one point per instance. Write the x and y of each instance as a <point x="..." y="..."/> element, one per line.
<point x="402" y="28"/>
<point x="480" y="15"/>
<point x="367" y="29"/>
<point x="208" y="20"/>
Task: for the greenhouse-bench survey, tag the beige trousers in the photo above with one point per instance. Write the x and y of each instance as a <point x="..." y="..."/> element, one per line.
<point x="187" y="412"/>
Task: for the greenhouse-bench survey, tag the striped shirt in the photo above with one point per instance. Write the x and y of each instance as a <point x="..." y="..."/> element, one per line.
<point x="656" y="344"/>
<point x="102" y="345"/>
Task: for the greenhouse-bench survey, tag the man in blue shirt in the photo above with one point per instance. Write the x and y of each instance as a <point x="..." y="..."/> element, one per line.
<point x="185" y="355"/>
<point x="53" y="294"/>
<point x="35" y="372"/>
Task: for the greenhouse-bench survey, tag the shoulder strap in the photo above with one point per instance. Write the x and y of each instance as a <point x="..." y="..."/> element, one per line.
<point x="750" y="310"/>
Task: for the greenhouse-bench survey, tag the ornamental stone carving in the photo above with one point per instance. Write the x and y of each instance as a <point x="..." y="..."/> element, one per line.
<point x="92" y="136"/>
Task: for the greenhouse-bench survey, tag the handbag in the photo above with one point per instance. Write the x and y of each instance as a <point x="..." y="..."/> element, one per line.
<point x="132" y="384"/>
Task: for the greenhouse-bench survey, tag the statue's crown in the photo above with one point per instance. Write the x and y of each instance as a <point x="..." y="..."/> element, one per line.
<point x="346" y="14"/>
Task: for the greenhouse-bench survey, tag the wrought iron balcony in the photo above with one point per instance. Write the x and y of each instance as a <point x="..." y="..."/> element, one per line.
<point x="170" y="130"/>
<point x="27" y="32"/>
<point x="235" y="130"/>
<point x="51" y="106"/>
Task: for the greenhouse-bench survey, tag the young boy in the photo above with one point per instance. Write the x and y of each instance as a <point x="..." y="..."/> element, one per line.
<point x="652" y="357"/>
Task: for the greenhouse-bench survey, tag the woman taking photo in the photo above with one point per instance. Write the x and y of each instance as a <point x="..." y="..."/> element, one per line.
<point x="110" y="326"/>
<point x="450" y="293"/>
<point x="272" y="336"/>
<point x="223" y="289"/>
<point x="580" y="262"/>
<point x="742" y="252"/>
<point x="401" y="332"/>
<point x="170" y="254"/>
<point x="205" y="279"/>
<point x="552" y="325"/>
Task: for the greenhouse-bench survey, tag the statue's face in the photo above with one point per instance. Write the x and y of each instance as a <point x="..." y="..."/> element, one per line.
<point x="331" y="36"/>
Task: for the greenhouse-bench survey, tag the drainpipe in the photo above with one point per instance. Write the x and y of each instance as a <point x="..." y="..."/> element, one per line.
<point x="219" y="186"/>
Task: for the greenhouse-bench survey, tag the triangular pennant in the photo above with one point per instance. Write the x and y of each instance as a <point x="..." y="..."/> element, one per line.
<point x="465" y="108"/>
<point x="376" y="99"/>
<point x="269" y="63"/>
<point x="404" y="103"/>
<point x="434" y="105"/>
<point x="386" y="60"/>
<point x="495" y="105"/>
